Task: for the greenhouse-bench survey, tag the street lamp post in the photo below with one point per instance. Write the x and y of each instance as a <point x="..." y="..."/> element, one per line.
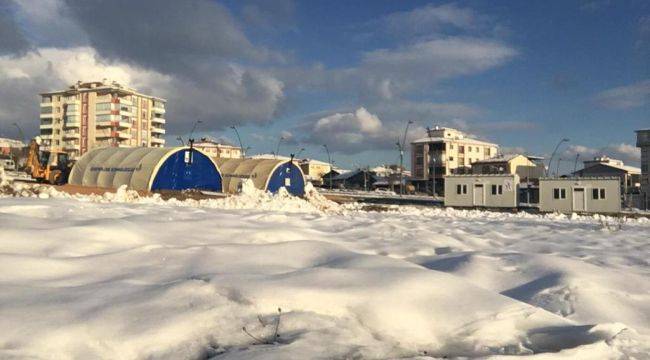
<point x="401" y="158"/>
<point x="329" y="161"/>
<point x="299" y="152"/>
<point x="550" y="161"/>
<point x="243" y="150"/>
<point x="20" y="132"/>
<point x="557" y="168"/>
<point x="277" y="148"/>
<point x="196" y="123"/>
<point x="575" y="164"/>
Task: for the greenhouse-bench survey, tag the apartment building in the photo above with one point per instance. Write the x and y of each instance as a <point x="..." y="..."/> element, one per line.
<point x="88" y="115"/>
<point x="216" y="149"/>
<point x="643" y="142"/>
<point x="445" y="151"/>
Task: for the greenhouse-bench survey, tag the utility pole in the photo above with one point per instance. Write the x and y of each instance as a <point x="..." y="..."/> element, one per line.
<point x="243" y="150"/>
<point x="550" y="161"/>
<point x="329" y="161"/>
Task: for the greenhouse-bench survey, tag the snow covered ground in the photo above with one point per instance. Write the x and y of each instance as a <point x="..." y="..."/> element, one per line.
<point x="118" y="276"/>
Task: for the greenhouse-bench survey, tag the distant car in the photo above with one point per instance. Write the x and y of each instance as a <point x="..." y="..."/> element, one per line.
<point x="8" y="164"/>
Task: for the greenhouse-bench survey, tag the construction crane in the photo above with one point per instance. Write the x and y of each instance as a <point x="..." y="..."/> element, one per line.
<point x="51" y="167"/>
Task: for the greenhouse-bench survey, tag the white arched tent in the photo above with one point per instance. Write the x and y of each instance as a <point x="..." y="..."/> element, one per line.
<point x="266" y="174"/>
<point x="147" y="169"/>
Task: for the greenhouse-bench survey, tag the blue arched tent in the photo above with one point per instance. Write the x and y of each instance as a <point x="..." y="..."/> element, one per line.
<point x="147" y="169"/>
<point x="266" y="174"/>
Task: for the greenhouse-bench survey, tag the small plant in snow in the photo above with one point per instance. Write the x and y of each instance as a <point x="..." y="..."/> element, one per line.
<point x="271" y="339"/>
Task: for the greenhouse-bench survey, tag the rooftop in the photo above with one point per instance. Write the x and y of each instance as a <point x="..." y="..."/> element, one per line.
<point x="105" y="84"/>
<point x="439" y="139"/>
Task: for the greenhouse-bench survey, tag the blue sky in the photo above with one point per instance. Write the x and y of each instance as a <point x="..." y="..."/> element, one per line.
<point x="350" y="74"/>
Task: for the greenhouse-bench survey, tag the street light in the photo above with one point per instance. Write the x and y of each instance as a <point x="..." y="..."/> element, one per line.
<point x="401" y="158"/>
<point x="277" y="148"/>
<point x="550" y="161"/>
<point x="197" y="122"/>
<point x="299" y="152"/>
<point x="20" y="132"/>
<point x="243" y="153"/>
<point x="329" y="161"/>
<point x="557" y="168"/>
<point x="180" y="139"/>
<point x="575" y="164"/>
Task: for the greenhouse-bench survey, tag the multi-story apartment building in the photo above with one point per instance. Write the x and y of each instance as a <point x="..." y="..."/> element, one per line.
<point x="100" y="114"/>
<point x="216" y="149"/>
<point x="445" y="151"/>
<point x="643" y="142"/>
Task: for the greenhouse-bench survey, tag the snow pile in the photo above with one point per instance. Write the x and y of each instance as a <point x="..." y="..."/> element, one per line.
<point x="119" y="277"/>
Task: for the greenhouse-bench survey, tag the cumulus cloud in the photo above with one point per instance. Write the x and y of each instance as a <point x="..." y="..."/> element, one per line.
<point x="234" y="94"/>
<point x="354" y="132"/>
<point x="625" y="97"/>
<point x="629" y="154"/>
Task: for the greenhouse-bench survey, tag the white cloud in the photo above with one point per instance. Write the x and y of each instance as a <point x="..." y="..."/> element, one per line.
<point x="626" y="97"/>
<point x="431" y="18"/>
<point x="354" y="132"/>
<point x="230" y="94"/>
<point x="629" y="154"/>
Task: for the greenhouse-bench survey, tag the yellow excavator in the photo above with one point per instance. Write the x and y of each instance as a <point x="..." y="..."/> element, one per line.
<point x="51" y="167"/>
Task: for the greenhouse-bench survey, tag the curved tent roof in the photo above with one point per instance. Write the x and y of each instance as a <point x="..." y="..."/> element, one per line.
<point x="266" y="174"/>
<point x="147" y="169"/>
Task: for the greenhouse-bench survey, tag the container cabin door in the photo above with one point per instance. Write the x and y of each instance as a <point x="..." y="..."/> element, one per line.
<point x="478" y="195"/>
<point x="579" y="199"/>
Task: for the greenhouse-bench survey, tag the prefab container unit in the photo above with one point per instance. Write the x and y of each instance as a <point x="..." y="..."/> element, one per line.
<point x="580" y="195"/>
<point x="147" y="169"/>
<point x="490" y="191"/>
<point x="266" y="174"/>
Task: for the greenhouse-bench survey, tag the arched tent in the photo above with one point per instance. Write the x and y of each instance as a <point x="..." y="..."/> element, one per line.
<point x="266" y="174"/>
<point x="147" y="169"/>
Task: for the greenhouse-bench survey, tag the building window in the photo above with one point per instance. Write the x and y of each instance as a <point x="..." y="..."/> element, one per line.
<point x="103" y="106"/>
<point x="497" y="189"/>
<point x="559" y="193"/>
<point x="461" y="189"/>
<point x="598" y="194"/>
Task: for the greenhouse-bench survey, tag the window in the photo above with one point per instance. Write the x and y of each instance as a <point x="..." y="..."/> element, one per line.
<point x="103" y="106"/>
<point x="451" y="158"/>
<point x="459" y="189"/>
<point x="497" y="189"/>
<point x="559" y="193"/>
<point x="598" y="194"/>
<point x="464" y="189"/>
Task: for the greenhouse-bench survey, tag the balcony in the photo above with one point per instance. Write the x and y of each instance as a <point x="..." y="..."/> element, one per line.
<point x="112" y="134"/>
<point x="46" y="126"/>
<point x="69" y="147"/>
<point x="46" y="116"/>
<point x="71" y="125"/>
<point x="157" y="140"/>
<point x="115" y="123"/>
<point x="158" y="120"/>
<point x="71" y="135"/>
<point x="157" y="130"/>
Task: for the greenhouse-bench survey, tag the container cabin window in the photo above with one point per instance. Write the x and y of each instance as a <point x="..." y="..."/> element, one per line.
<point x="461" y="189"/>
<point x="598" y="194"/>
<point x="497" y="189"/>
<point x="559" y="193"/>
